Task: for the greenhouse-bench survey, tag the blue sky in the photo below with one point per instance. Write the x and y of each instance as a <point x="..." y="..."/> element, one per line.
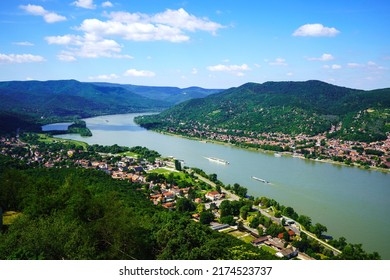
<point x="214" y="44"/>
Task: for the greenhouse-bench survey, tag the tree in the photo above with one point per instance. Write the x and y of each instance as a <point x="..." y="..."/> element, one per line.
<point x="318" y="229"/>
<point x="225" y="208"/>
<point x="289" y="212"/>
<point x="200" y="208"/>
<point x="305" y="221"/>
<point x="228" y="220"/>
<point x="244" y="211"/>
<point x="213" y="177"/>
<point x="206" y="217"/>
<point x="255" y="221"/>
<point x="185" y="205"/>
<point x="177" y="165"/>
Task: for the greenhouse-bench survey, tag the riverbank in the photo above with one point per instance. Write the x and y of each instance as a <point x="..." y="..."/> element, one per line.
<point x="332" y="195"/>
<point x="289" y="154"/>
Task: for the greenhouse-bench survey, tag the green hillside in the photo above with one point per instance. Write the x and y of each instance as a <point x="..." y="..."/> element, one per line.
<point x="310" y="107"/>
<point x="171" y="95"/>
<point x="83" y="214"/>
<point x="70" y="98"/>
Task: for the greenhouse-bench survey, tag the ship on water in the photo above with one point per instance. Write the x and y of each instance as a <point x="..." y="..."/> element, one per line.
<point x="217" y="160"/>
<point x="260" y="180"/>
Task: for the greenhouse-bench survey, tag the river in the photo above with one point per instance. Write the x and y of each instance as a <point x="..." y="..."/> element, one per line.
<point x="351" y="202"/>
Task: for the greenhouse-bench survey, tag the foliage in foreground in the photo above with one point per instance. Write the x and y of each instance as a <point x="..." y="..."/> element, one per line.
<point x="84" y="214"/>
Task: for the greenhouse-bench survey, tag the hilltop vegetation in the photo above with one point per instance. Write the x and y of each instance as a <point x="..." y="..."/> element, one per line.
<point x="310" y="108"/>
<point x="29" y="104"/>
<point x="45" y="102"/>
<point x="171" y="95"/>
<point x="84" y="214"/>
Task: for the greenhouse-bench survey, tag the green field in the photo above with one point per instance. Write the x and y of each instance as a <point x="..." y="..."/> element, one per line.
<point x="48" y="139"/>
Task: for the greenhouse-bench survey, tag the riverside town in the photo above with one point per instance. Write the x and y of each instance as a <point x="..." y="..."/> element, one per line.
<point x="263" y="223"/>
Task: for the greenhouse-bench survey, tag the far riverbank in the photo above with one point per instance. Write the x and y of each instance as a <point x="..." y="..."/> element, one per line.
<point x="287" y="154"/>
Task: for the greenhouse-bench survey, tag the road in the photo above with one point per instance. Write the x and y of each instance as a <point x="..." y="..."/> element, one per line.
<point x="232" y="196"/>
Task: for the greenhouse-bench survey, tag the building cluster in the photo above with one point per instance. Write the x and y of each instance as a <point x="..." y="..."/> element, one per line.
<point x="374" y="154"/>
<point x="133" y="170"/>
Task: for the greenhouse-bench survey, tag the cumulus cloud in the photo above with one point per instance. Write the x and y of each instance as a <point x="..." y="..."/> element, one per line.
<point x="278" y="62"/>
<point x="87" y="46"/>
<point x="324" y="57"/>
<point x="86" y="4"/>
<point x="104" y="77"/>
<point x="36" y="10"/>
<point x="20" y="58"/>
<point x="139" y="73"/>
<point x="315" y="30"/>
<point x="228" y="68"/>
<point x="194" y="71"/>
<point x="170" y="25"/>
<point x="97" y="40"/>
<point x="107" y="4"/>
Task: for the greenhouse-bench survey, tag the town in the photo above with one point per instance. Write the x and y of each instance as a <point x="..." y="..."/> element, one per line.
<point x="261" y="222"/>
<point x="318" y="147"/>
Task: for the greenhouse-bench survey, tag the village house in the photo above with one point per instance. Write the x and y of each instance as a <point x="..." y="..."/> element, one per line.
<point x="214" y="195"/>
<point x="288" y="253"/>
<point x="261" y="240"/>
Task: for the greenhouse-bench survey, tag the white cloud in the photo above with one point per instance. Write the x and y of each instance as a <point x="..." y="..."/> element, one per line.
<point x="336" y="66"/>
<point x="20" y="58"/>
<point x="290" y="74"/>
<point x="316" y="30"/>
<point x="278" y="62"/>
<point x="66" y="56"/>
<point x="86" y="4"/>
<point x="170" y="25"/>
<point x="49" y="17"/>
<point x="104" y="77"/>
<point x="354" y="65"/>
<point x="228" y="68"/>
<point x="107" y="4"/>
<point x="25" y="43"/>
<point x="139" y="73"/>
<point x="183" y="20"/>
<point x="194" y="71"/>
<point x="89" y="46"/>
<point x="324" y="57"/>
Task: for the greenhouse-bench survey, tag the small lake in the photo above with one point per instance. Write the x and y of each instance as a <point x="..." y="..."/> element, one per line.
<point x="351" y="202"/>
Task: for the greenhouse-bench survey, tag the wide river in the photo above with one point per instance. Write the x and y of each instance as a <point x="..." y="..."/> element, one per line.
<point x="351" y="202"/>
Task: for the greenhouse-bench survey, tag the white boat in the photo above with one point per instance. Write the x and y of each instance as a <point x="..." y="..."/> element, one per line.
<point x="217" y="160"/>
<point x="260" y="180"/>
<point x="277" y="155"/>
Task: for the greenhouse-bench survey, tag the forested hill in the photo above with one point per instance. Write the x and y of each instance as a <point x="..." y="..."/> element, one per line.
<point x="66" y="98"/>
<point x="309" y="107"/>
<point x="171" y="95"/>
<point x="82" y="214"/>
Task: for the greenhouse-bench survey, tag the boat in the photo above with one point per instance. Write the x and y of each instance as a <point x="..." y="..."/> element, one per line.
<point x="277" y="155"/>
<point x="217" y="160"/>
<point x="260" y="180"/>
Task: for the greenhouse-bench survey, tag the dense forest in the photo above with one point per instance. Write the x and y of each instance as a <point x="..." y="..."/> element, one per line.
<point x="310" y="108"/>
<point x="84" y="214"/>
<point x="53" y="101"/>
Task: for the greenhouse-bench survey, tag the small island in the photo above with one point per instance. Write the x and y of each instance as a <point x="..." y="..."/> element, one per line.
<point x="79" y="127"/>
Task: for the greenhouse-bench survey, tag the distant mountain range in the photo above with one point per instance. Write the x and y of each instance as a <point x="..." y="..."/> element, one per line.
<point x="29" y="102"/>
<point x="171" y="95"/>
<point x="309" y="107"/>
